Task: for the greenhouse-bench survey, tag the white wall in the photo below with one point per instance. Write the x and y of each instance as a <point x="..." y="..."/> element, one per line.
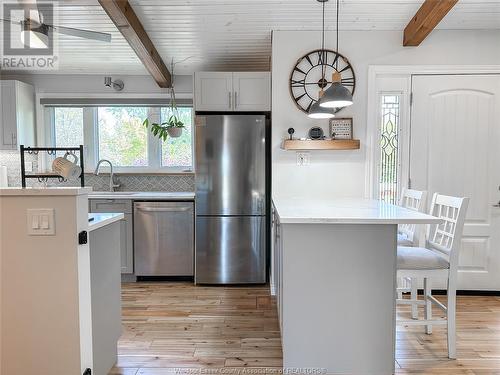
<point x="342" y="173"/>
<point x="94" y="84"/>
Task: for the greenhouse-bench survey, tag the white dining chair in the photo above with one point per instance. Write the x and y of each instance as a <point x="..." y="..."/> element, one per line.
<point x="438" y="259"/>
<point x="410" y="235"/>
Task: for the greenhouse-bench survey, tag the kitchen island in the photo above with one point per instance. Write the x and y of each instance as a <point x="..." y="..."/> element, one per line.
<point x="335" y="280"/>
<point x="60" y="285"/>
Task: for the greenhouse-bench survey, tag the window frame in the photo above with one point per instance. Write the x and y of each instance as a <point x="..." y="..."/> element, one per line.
<point x="91" y="140"/>
<point x="378" y="86"/>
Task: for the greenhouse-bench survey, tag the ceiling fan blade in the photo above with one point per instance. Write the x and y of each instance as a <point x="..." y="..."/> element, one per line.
<point x="10" y="21"/>
<point x="80" y="33"/>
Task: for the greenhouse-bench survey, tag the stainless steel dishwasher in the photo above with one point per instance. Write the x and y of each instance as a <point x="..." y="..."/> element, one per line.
<point x="164" y="238"/>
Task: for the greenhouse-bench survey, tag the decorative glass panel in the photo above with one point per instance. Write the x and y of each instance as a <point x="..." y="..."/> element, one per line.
<point x="389" y="149"/>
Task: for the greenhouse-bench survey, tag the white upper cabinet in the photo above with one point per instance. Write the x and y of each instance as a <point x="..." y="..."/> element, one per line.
<point x="17" y="120"/>
<point x="214" y="91"/>
<point x="252" y="91"/>
<point x="238" y="91"/>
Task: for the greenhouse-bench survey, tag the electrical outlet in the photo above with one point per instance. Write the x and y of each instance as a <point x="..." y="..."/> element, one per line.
<point x="302" y="159"/>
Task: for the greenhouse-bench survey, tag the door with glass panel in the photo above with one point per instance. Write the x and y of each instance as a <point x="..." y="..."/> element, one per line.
<point x="455" y="138"/>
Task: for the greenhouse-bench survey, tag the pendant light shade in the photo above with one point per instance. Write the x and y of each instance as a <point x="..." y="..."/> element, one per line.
<point x="337" y="95"/>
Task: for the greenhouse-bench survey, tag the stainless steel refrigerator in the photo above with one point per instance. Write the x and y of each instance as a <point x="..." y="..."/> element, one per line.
<point x="231" y="199"/>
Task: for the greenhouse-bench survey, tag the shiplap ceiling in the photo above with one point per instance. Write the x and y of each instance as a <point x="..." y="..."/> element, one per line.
<point x="233" y="34"/>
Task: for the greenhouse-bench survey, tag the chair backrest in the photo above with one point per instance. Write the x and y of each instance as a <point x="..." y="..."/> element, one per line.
<point x="412" y="200"/>
<point x="446" y="237"/>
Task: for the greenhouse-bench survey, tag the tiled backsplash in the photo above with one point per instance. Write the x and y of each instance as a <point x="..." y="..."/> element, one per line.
<point x="143" y="182"/>
<point x="128" y="182"/>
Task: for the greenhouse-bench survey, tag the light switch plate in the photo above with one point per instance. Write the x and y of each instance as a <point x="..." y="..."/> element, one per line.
<point x="41" y="222"/>
<point x="303" y="158"/>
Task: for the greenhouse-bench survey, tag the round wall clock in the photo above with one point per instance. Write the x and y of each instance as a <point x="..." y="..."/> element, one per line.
<point x="306" y="77"/>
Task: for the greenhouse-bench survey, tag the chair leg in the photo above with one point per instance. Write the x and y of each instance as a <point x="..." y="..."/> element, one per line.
<point x="428" y="304"/>
<point x="451" y="316"/>
<point x="414" y="297"/>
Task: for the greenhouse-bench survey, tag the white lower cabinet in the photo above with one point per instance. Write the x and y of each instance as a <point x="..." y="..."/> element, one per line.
<point x="277" y="269"/>
<point x="126" y="227"/>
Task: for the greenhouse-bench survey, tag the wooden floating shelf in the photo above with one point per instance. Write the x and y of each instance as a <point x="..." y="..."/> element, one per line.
<point x="320" y="144"/>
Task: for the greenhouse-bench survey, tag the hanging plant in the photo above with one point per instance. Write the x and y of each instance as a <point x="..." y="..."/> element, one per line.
<point x="173" y="126"/>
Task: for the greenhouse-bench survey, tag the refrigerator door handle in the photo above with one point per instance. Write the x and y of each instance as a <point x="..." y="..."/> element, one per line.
<point x="163" y="209"/>
<point x="230" y="99"/>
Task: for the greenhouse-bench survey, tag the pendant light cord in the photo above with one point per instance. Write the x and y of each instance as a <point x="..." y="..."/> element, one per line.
<point x="337" y="61"/>
<point x="323" y="67"/>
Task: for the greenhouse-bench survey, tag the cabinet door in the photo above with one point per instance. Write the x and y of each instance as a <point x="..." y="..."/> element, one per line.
<point x="8" y="125"/>
<point x="279" y="266"/>
<point x="213" y="91"/>
<point x="127" y="244"/>
<point x="126" y="227"/>
<point x="25" y="114"/>
<point x="252" y="91"/>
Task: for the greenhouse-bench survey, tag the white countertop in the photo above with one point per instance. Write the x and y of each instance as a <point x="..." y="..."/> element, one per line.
<point x="101" y="220"/>
<point x="346" y="211"/>
<point x="141" y="195"/>
<point x="48" y="191"/>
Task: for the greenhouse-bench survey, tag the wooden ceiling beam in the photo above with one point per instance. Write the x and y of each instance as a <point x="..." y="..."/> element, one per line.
<point x="125" y="19"/>
<point x="425" y="20"/>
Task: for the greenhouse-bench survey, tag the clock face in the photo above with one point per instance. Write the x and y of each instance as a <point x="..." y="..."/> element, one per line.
<point x="306" y="77"/>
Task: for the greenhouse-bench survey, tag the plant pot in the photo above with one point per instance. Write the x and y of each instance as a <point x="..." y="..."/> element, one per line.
<point x="174" y="132"/>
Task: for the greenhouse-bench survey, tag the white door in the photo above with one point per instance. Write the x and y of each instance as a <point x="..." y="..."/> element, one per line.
<point x="455" y="150"/>
<point x="213" y="91"/>
<point x="252" y="91"/>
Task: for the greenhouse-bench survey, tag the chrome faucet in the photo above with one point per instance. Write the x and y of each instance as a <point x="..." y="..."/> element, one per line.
<point x="112" y="183"/>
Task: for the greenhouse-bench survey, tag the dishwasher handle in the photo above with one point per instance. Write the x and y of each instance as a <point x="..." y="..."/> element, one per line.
<point x="163" y="209"/>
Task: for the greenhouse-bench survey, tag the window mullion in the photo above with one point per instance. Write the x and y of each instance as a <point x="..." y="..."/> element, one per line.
<point x="90" y="138"/>
<point x="154" y="147"/>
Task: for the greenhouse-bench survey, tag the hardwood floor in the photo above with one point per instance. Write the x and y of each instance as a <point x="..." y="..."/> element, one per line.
<point x="178" y="328"/>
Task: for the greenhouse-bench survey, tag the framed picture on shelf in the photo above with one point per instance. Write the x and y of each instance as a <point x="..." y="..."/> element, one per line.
<point x="341" y="128"/>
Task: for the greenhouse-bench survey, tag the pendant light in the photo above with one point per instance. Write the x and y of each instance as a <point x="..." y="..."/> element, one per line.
<point x="316" y="111"/>
<point x="337" y="95"/>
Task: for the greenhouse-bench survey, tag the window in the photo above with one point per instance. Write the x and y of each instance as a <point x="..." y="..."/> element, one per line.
<point x="68" y="126"/>
<point x="178" y="152"/>
<point x="389" y="167"/>
<point x="122" y="138"/>
<point x="116" y="133"/>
